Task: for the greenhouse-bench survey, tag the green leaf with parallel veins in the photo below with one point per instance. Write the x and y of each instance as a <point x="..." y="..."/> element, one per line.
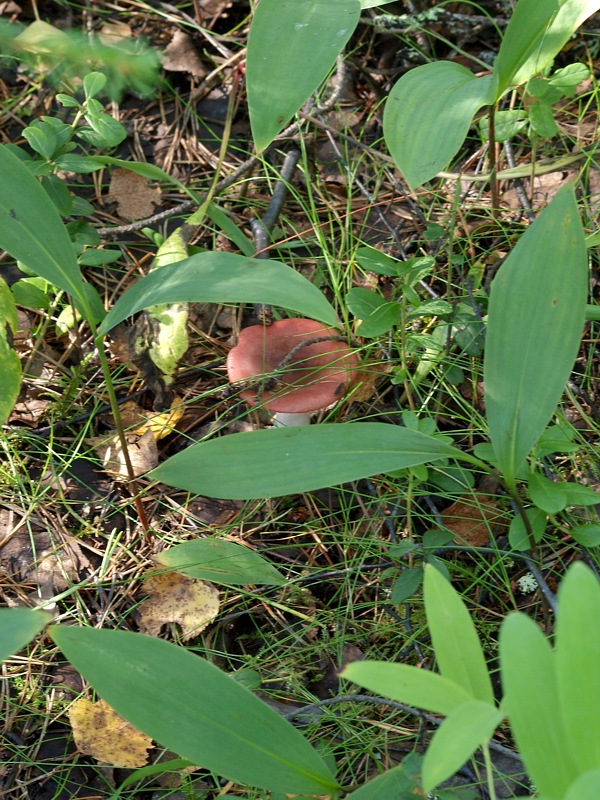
<point x="221" y="562"/>
<point x="462" y="732"/>
<point x="32" y="231"/>
<point x="537" y="307"/>
<point x="292" y="46"/>
<point x="428" y="114"/>
<point x="405" y="684"/>
<point x="528" y="667"/>
<point x="457" y="647"/>
<point x="577" y="658"/>
<point x="223" y="278"/>
<point x="196" y="710"/>
<point x="271" y="463"/>
<point x="18" y="626"/>
<point x="10" y="364"/>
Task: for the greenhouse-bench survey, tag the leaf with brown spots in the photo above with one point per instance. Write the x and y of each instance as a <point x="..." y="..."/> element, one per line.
<point x="191" y="603"/>
<point x="100" y="732"/>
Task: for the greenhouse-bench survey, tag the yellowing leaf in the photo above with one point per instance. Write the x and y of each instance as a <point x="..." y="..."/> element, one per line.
<point x="100" y="732"/>
<point x="191" y="603"/>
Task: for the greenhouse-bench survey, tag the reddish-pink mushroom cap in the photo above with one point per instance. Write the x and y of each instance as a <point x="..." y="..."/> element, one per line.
<point x="314" y="377"/>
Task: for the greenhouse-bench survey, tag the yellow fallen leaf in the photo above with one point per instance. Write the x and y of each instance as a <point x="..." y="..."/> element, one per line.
<point x="162" y="424"/>
<point x="100" y="732"/>
<point x="189" y="602"/>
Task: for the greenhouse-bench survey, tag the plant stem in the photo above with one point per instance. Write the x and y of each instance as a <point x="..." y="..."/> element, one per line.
<point x="514" y="494"/>
<point x="493" y="162"/>
<point x="489" y="769"/>
<point x="116" y="412"/>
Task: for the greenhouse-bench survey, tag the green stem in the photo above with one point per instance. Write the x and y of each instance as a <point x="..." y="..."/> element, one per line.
<point x="511" y="488"/>
<point x="489" y="769"/>
<point x="116" y="412"/>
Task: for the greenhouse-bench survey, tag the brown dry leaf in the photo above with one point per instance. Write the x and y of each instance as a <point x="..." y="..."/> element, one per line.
<point x="181" y="56"/>
<point x="191" y="603"/>
<point x="143" y="453"/>
<point x="29" y="553"/>
<point x="365" y="383"/>
<point x="134" y="195"/>
<point x="100" y="732"/>
<point x="114" y="32"/>
<point x="471" y="521"/>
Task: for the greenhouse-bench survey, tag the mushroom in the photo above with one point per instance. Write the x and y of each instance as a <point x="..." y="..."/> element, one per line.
<point x="295" y="366"/>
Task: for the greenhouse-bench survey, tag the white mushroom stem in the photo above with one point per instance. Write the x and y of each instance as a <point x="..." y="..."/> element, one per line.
<point x="283" y="419"/>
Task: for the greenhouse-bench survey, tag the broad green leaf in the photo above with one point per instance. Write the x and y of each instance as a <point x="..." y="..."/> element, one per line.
<point x="531" y="699"/>
<point x="455" y="641"/>
<point x="405" y="684"/>
<point x="270" y="463"/>
<point x="18" y="626"/>
<point x="223" y="278"/>
<point x="588" y="535"/>
<point x="372" y="4"/>
<point x="578" y="495"/>
<point x="194" y="709"/>
<point x="465" y="729"/>
<point x="586" y="787"/>
<point x="517" y="532"/>
<point x="221" y="562"/>
<point x="32" y="231"/>
<point x="10" y="364"/>
<point x="522" y="42"/>
<point x="547" y="495"/>
<point x="536" y="33"/>
<point x="380" y="321"/>
<point x="536" y="315"/>
<point x="577" y="659"/>
<point x="427" y="116"/>
<point x="292" y="46"/>
<point x="385" y="786"/>
<point x="406" y="585"/>
<point x="542" y="119"/>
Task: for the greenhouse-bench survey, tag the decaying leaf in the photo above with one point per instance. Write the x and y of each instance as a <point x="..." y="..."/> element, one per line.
<point x="472" y="520"/>
<point x="191" y="603"/>
<point x="142" y="449"/>
<point x="159" y="338"/>
<point x="181" y="56"/>
<point x="134" y="195"/>
<point x="137" y="420"/>
<point x="29" y="553"/>
<point x="100" y="732"/>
